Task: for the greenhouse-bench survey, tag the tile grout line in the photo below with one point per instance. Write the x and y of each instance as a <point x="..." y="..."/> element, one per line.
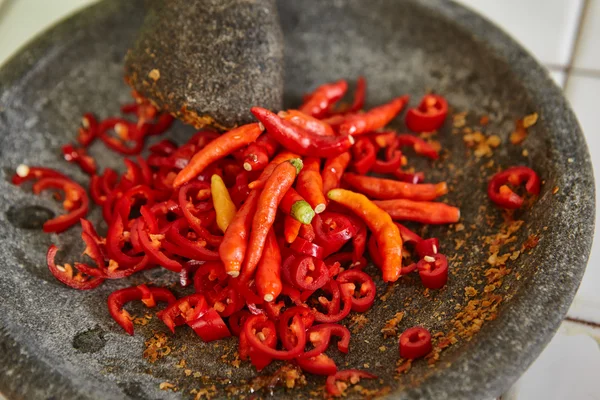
<point x="578" y="33"/>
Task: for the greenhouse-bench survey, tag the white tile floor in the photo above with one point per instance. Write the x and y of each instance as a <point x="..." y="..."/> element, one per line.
<point x="564" y="35"/>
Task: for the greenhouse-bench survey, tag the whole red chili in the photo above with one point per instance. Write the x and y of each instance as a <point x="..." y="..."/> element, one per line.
<point x="294" y="138"/>
<point x="319" y="102"/>
<point x="387" y="189"/>
<point x="429" y="115"/>
<point x="217" y="149"/>
<point x="333" y="170"/>
<point x="235" y="242"/>
<point x="280" y="181"/>
<point x="380" y="223"/>
<point x="310" y="184"/>
<point x="308" y="123"/>
<point x="433" y="271"/>
<point x="268" y="281"/>
<point x="419" y="211"/>
<point x="373" y="119"/>
<point x="415" y="342"/>
<point x="502" y="195"/>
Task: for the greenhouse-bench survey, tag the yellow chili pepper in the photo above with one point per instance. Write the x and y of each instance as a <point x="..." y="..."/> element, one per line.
<point x="224" y="207"/>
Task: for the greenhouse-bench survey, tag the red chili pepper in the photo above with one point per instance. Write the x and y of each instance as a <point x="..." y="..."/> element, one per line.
<point x="65" y="273"/>
<point x="419" y="211"/>
<point x="320" y="101"/>
<point x="26" y="173"/>
<point x="333" y="170"/>
<point x="209" y="326"/>
<point x="420" y="146"/>
<point x="427" y="247"/>
<point x="373" y="119"/>
<point x="165" y="147"/>
<point x="415" y="342"/>
<point x="352" y="375"/>
<point x="253" y="327"/>
<point x="334" y="313"/>
<point x="194" y="198"/>
<point x="346" y="259"/>
<point x="320" y="364"/>
<point x="79" y="156"/>
<point x="236" y="321"/>
<point x="333" y="230"/>
<point x="308" y="273"/>
<point x="280" y="158"/>
<point x="185" y="247"/>
<point x="299" y="140"/>
<point x="149" y="295"/>
<point x="320" y="336"/>
<point x="294" y="205"/>
<point x="387" y="189"/>
<point x="364" y="155"/>
<point x="88" y="130"/>
<point x="291" y="228"/>
<point x="429" y="115"/>
<point x="126" y="132"/>
<point x="364" y="299"/>
<point x="268" y="280"/>
<point x="380" y="223"/>
<point x="164" y="122"/>
<point x="152" y="245"/>
<point x="307" y="122"/>
<point x="407" y="235"/>
<point x="235" y="242"/>
<point x="433" y="271"/>
<point x="280" y="181"/>
<point x="416" y="177"/>
<point x="502" y="195"/>
<point x="259" y="359"/>
<point x="359" y="95"/>
<point x="76" y="202"/>
<point x="186" y="309"/>
<point x="310" y="184"/>
<point x="303" y="246"/>
<point x="391" y="164"/>
<point x="217" y="149"/>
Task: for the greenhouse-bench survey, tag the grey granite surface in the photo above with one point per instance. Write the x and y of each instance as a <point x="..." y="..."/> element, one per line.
<point x="56" y="343"/>
<point x="213" y="59"/>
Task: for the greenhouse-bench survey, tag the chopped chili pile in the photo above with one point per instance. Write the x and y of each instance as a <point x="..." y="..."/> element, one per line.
<point x="268" y="222"/>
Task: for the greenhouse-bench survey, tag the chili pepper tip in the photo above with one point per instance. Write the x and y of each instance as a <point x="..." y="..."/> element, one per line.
<point x="297" y="162"/>
<point x="268" y="297"/>
<point x="320" y="208"/>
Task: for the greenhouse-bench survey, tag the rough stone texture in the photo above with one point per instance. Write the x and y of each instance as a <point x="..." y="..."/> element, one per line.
<point x="59" y="343"/>
<point x="214" y="59"/>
